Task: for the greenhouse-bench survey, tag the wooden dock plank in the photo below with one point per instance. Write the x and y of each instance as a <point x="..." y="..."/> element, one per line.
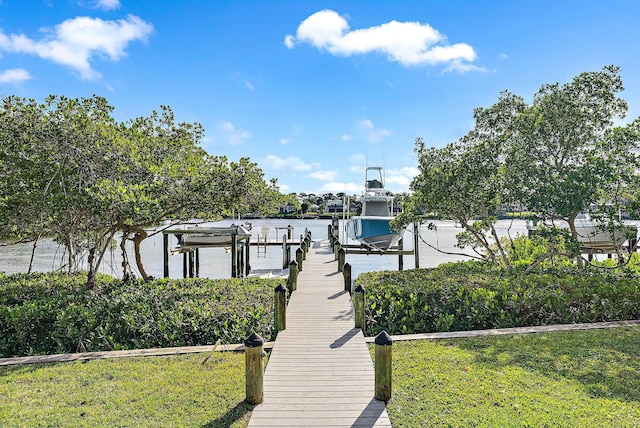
<point x="320" y="371"/>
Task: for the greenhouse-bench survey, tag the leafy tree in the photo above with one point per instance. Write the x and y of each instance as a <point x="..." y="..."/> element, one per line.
<point x="463" y="181"/>
<point x="71" y="172"/>
<point x="566" y="154"/>
<point x="51" y="154"/>
<point x="558" y="156"/>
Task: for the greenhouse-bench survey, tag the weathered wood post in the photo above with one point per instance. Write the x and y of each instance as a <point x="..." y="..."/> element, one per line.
<point x="254" y="369"/>
<point x="383" y="360"/>
<point x="234" y="254"/>
<point x="299" y="259"/>
<point x="341" y="259"/>
<point x="247" y="267"/>
<point x="329" y="232"/>
<point x="347" y="277"/>
<point x="185" y="267"/>
<point x="280" y="312"/>
<point x="292" y="281"/>
<point x="416" y="253"/>
<point x="303" y="247"/>
<point x="165" y="254"/>
<point x="336" y="248"/>
<point x="359" y="308"/>
<point x="197" y="262"/>
<point x="285" y="256"/>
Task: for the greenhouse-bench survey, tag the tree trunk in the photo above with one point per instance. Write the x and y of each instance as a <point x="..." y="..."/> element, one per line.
<point x="33" y="254"/>
<point x="572" y="227"/>
<point x="140" y="236"/>
<point x="92" y="273"/>
<point x="127" y="275"/>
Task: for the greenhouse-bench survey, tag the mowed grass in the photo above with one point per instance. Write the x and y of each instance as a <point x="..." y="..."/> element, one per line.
<point x="173" y="391"/>
<point x="563" y="379"/>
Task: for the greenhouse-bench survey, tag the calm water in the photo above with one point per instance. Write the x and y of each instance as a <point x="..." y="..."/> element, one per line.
<point x="216" y="262"/>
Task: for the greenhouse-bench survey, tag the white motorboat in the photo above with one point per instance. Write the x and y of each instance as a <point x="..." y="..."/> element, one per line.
<point x="593" y="235"/>
<point x="371" y="227"/>
<point x="214" y="236"/>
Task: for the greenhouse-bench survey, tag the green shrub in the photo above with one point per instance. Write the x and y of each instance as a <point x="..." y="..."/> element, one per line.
<point x="472" y="295"/>
<point x="55" y="313"/>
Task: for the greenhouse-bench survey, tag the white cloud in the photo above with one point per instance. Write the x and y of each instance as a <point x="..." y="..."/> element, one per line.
<point x="324" y="175"/>
<point x="334" y="187"/>
<point x="357" y="158"/>
<point x="231" y="135"/>
<point x="75" y="42"/>
<point x="372" y="133"/>
<point x="292" y="162"/>
<point x="249" y="85"/>
<point x="409" y="43"/>
<point x="346" y="137"/>
<point x="107" y="4"/>
<point x="289" y="41"/>
<point x="401" y="176"/>
<point x="14" y="75"/>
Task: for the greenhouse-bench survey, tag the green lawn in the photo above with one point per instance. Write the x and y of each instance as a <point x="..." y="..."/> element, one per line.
<point x="568" y="379"/>
<point x="175" y="391"/>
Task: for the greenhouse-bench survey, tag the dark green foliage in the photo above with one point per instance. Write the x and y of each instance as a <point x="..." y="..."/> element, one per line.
<point x="473" y="295"/>
<point x="56" y="313"/>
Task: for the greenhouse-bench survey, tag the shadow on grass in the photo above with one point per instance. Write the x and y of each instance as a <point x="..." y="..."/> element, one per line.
<point x="606" y="362"/>
<point x="234" y="415"/>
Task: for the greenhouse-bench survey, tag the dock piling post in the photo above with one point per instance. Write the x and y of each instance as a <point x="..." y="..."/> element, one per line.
<point x="292" y="281"/>
<point x="329" y="232"/>
<point x="197" y="263"/>
<point x="416" y="253"/>
<point x="254" y="369"/>
<point x="383" y="359"/>
<point x="280" y="308"/>
<point x="299" y="259"/>
<point x="165" y="254"/>
<point x="303" y="247"/>
<point x="347" y="277"/>
<point x="359" y="308"/>
<point x="341" y="259"/>
<point x="234" y="255"/>
<point x="286" y="255"/>
<point x="185" y="271"/>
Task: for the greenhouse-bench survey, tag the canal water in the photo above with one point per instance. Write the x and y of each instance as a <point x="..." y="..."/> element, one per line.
<point x="216" y="262"/>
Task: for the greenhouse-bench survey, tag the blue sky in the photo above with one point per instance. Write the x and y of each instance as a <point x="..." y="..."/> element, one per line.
<point x="313" y="91"/>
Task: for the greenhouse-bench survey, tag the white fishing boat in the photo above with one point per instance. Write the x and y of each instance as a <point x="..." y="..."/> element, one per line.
<point x="371" y="227"/>
<point x="593" y="235"/>
<point x="213" y="236"/>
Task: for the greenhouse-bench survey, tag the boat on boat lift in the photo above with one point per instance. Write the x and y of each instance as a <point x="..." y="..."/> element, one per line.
<point x="371" y="228"/>
<point x="213" y="236"/>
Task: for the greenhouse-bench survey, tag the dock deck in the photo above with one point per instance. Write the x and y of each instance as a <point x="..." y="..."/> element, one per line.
<point x="320" y="372"/>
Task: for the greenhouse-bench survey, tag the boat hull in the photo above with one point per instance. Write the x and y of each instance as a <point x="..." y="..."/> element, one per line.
<point x="214" y="236"/>
<point x="591" y="236"/>
<point x="374" y="232"/>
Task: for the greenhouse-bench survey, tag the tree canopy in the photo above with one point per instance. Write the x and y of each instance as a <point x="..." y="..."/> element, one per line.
<point x="558" y="156"/>
<point x="70" y="171"/>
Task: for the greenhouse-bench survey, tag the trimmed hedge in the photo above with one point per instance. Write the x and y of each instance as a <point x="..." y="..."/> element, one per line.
<point x="471" y="296"/>
<point x="55" y="313"/>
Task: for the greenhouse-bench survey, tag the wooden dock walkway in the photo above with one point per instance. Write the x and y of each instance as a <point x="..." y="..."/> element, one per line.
<point x="320" y="372"/>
